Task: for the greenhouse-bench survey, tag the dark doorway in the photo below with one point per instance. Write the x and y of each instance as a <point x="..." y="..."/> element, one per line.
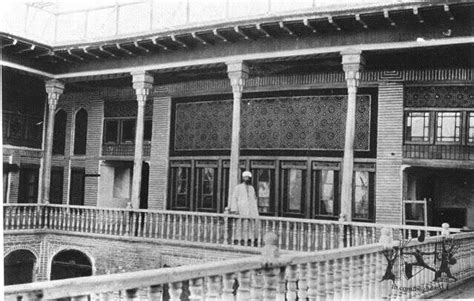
<point x="76" y="193"/>
<point x="70" y="264"/>
<point x="56" y="187"/>
<point x="144" y="187"/>
<point x="19" y="267"/>
<point x="28" y="188"/>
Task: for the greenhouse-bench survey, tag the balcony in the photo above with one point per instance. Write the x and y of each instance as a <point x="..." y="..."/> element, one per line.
<point x="359" y="271"/>
<point x="124" y="150"/>
<point x="22" y="130"/>
<point x="438" y="152"/>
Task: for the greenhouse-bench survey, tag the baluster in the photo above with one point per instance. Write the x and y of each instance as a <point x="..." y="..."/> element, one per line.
<point x="364" y="236"/>
<point x="54" y="219"/>
<point x="373" y="276"/>
<point x="341" y="235"/>
<point x="259" y="224"/>
<point x="345" y="278"/>
<point x="337" y="286"/>
<point x="175" y="290"/>
<point x="141" y="224"/>
<point x="322" y="280"/>
<point x="28" y="221"/>
<point x="302" y="236"/>
<point x="270" y="283"/>
<point x="6" y="220"/>
<point x="365" y="275"/>
<point x="193" y="228"/>
<point x="196" y="289"/>
<point x="132" y="294"/>
<point x="281" y="285"/>
<point x="35" y="212"/>
<point x="332" y="237"/>
<point x="312" y="280"/>
<point x="199" y="228"/>
<point x="353" y="277"/>
<point x="329" y="279"/>
<point x="214" y="288"/>
<point x="13" y="217"/>
<point x="156" y="292"/>
<point x="243" y="292"/>
<point x="168" y="226"/>
<point x="156" y="224"/>
<point x="309" y="238"/>
<point x="357" y="240"/>
<point x="173" y="226"/>
<point x="115" y="229"/>
<point x="205" y="232"/>
<point x="178" y="225"/>
<point x="186" y="227"/>
<point x="252" y="224"/>
<point x="325" y="233"/>
<point x="280" y="235"/>
<point x="127" y="215"/>
<point x="291" y="285"/>
<point x="359" y="261"/>
<point x="134" y="226"/>
<point x="257" y="282"/>
<point x="228" y="287"/>
<point x="82" y="219"/>
<point x="287" y="238"/>
<point x="374" y="235"/>
<point x="302" y="281"/>
<point x="163" y="217"/>
<point x="234" y="232"/>
<point x="226" y="229"/>
<point x="316" y="237"/>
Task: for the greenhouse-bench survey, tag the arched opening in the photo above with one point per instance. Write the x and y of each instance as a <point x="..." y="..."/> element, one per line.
<point x="19" y="267"/>
<point x="59" y="134"/>
<point x="80" y="133"/>
<point x="70" y="264"/>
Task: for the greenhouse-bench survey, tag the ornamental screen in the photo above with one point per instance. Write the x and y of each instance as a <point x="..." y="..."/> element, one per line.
<point x="303" y="122"/>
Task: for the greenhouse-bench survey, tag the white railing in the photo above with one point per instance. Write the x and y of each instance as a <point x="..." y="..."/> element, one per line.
<point x="354" y="273"/>
<point x="293" y="233"/>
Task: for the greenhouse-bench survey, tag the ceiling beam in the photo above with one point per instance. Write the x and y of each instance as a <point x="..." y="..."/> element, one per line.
<point x="259" y="28"/>
<point x="196" y="37"/>
<point x="285" y="28"/>
<point x="386" y="15"/>
<point x="15" y="41"/>
<point x="333" y="23"/>
<point x="155" y="42"/>
<point x="448" y="12"/>
<point x="74" y="55"/>
<point x="117" y="45"/>
<point x="135" y="43"/>
<point x="84" y="49"/>
<point x="240" y="33"/>
<point x="309" y="25"/>
<point x="180" y="43"/>
<point x="31" y="48"/>
<point x="101" y="48"/>
<point x="217" y="34"/>
<point x="417" y="14"/>
<point x="362" y="22"/>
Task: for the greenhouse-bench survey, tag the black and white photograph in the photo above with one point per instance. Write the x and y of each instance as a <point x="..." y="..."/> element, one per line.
<point x="237" y="150"/>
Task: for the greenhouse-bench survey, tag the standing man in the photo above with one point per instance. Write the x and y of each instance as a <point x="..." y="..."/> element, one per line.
<point x="244" y="203"/>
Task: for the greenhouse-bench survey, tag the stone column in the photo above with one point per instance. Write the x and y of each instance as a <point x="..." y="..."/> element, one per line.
<point x="54" y="89"/>
<point x="238" y="73"/>
<point x="352" y="62"/>
<point x="142" y="83"/>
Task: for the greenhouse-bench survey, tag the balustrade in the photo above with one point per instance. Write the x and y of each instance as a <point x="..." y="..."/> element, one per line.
<point x="293" y="234"/>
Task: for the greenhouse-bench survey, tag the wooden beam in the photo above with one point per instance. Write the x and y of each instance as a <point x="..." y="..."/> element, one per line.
<point x="417" y="14"/>
<point x="358" y="19"/>
<point x="259" y="28"/>
<point x="285" y="28"/>
<point x="239" y="32"/>
<point x="101" y="48"/>
<point x="196" y="37"/>
<point x="180" y="43"/>
<point x="309" y="25"/>
<point x="84" y="49"/>
<point x="140" y="46"/>
<point x="15" y="41"/>
<point x="155" y="42"/>
<point x="31" y="48"/>
<point x="333" y="23"/>
<point x="74" y="55"/>
<point x="217" y="34"/>
<point x="117" y="45"/>
<point x="448" y="12"/>
<point x="387" y="16"/>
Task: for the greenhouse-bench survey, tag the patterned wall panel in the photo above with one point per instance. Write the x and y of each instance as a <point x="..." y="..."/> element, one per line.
<point x="303" y="122"/>
<point x="443" y="96"/>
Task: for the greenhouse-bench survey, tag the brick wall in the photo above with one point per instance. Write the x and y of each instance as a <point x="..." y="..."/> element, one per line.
<point x="159" y="155"/>
<point x="110" y="254"/>
<point x="388" y="183"/>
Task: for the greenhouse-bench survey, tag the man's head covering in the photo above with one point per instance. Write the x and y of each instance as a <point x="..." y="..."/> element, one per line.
<point x="246" y="174"/>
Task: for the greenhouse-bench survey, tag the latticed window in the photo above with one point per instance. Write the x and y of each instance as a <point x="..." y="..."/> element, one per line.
<point x="207" y="188"/>
<point x="448" y="127"/>
<point x="470" y="131"/>
<point x="363" y="195"/>
<point x="180" y="185"/>
<point x="326" y="192"/>
<point x="417" y="127"/>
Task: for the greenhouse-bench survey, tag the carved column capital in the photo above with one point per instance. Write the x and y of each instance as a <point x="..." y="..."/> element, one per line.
<point x="238" y="72"/>
<point x="54" y="88"/>
<point x="352" y="63"/>
<point x="142" y="83"/>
